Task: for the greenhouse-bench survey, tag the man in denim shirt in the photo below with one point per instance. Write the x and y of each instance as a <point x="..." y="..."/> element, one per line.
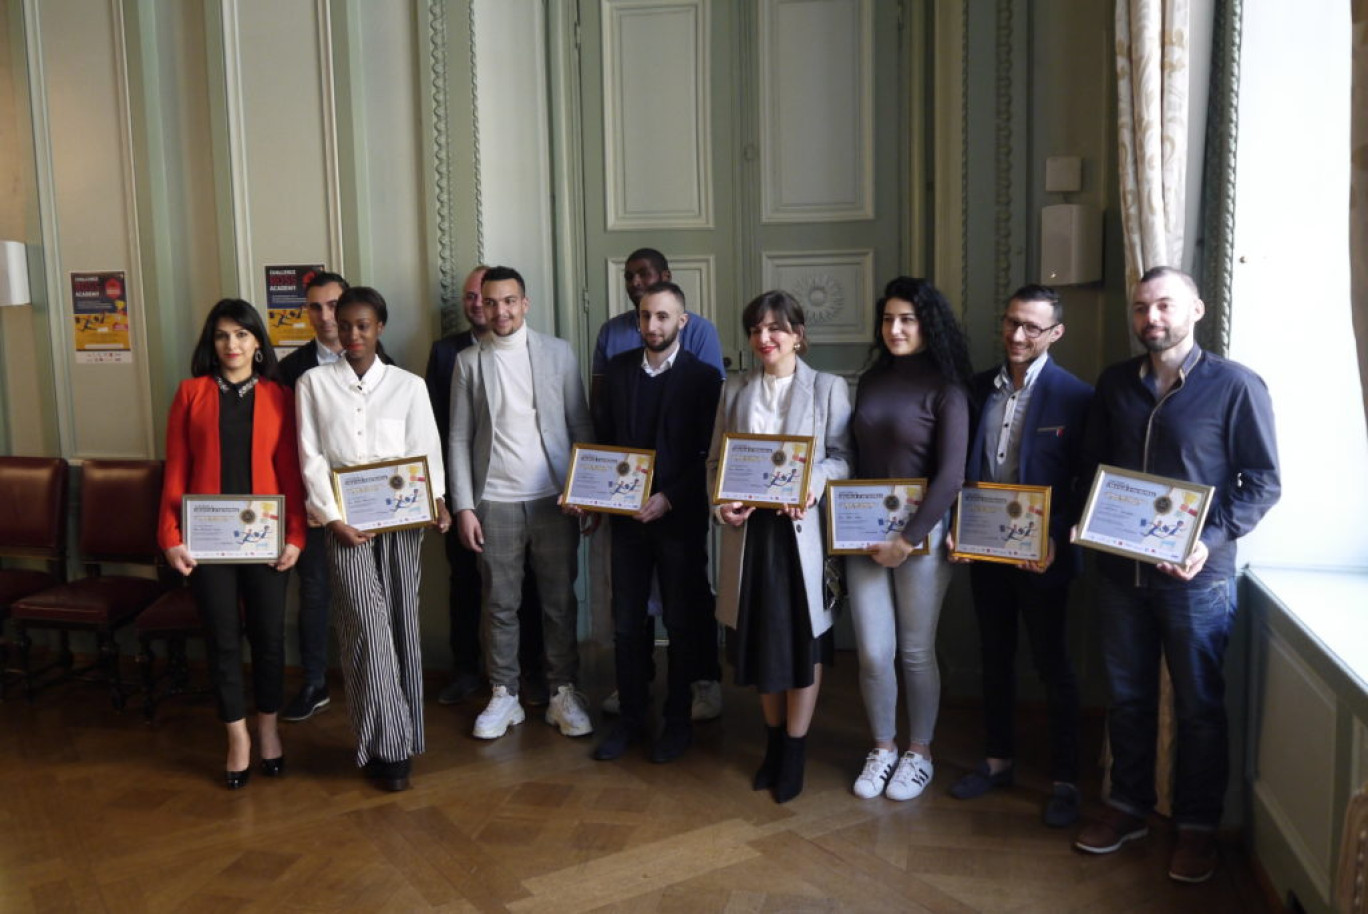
<point x="1182" y="412"/>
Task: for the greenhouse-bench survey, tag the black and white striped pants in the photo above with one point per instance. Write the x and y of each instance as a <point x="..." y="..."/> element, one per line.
<point x="375" y="611"/>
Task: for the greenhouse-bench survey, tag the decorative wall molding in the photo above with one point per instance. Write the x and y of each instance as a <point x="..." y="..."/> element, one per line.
<point x="645" y="83"/>
<point x="834" y="288"/>
<point x="237" y="148"/>
<point x="331" y="172"/>
<point x="696" y="276"/>
<point x="1217" y="252"/>
<point x="448" y="283"/>
<point x="802" y="107"/>
<point x="1005" y="153"/>
<point x="1300" y="801"/>
<point x="256" y="190"/>
<point x="116" y="399"/>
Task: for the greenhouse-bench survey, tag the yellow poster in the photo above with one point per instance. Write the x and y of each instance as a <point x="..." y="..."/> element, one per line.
<point x="99" y="311"/>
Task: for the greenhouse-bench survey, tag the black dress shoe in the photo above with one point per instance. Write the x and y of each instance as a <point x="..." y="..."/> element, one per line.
<point x="981" y="780"/>
<point x="392" y="776"/>
<point x="310" y="700"/>
<point x="675" y="739"/>
<point x="616" y="743"/>
<point x="273" y="767"/>
<point x="236" y="780"/>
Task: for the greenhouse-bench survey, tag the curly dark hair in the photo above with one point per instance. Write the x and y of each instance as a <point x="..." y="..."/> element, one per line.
<point x="944" y="338"/>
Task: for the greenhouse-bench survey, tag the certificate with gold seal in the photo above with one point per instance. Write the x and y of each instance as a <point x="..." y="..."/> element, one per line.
<point x="384" y="496"/>
<point x="861" y="513"/>
<point x="233" y="529"/>
<point x="1144" y="517"/>
<point x="613" y="480"/>
<point x="996" y="522"/>
<point x="763" y="471"/>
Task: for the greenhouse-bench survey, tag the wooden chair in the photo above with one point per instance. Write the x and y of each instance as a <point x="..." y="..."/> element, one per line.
<point x="119" y="503"/>
<point x="32" y="526"/>
<point x="175" y="619"/>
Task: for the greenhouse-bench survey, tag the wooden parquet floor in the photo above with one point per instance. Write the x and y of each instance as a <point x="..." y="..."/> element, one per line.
<point x="100" y="812"/>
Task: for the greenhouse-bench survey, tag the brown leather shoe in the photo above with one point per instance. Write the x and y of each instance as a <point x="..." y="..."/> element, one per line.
<point x="1194" y="859"/>
<point x="1113" y="829"/>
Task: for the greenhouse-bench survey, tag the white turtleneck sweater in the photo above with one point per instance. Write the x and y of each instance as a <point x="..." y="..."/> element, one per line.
<point x="518" y="466"/>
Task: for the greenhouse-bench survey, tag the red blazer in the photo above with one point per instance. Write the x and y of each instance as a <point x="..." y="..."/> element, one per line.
<point x="192" y="454"/>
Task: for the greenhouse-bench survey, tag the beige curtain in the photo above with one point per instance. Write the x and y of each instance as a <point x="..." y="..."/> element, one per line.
<point x="1358" y="193"/>
<point x="1152" y="62"/>
<point x="1152" y="118"/>
<point x="1351" y="892"/>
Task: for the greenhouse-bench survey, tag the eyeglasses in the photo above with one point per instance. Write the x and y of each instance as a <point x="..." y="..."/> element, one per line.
<point x="1032" y="331"/>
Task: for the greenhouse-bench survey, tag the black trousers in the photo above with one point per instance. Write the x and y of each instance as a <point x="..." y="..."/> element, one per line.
<point x="675" y="548"/>
<point x="227" y="596"/>
<point x="1002" y="594"/>
<point x="464" y="614"/>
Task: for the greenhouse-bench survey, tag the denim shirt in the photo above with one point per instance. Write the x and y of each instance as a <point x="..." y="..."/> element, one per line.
<point x="1213" y="426"/>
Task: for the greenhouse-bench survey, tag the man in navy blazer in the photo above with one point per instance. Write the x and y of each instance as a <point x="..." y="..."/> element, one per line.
<point x="660" y="397"/>
<point x="1028" y="430"/>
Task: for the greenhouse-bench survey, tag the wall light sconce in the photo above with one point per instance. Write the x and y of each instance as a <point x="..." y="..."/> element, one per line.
<point x="14" y="280"/>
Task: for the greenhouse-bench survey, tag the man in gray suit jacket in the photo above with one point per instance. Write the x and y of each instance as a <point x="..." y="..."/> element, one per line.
<point x="517" y="406"/>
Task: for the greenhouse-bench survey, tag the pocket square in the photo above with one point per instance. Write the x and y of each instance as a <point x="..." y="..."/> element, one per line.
<point x="1056" y="430"/>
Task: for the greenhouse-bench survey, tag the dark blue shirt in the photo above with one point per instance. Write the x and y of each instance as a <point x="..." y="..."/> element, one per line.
<point x="1213" y="426"/>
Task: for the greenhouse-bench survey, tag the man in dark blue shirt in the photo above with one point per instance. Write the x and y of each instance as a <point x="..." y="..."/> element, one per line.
<point x="1182" y="412"/>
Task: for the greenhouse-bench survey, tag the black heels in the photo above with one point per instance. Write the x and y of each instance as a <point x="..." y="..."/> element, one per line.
<point x="270" y="767"/>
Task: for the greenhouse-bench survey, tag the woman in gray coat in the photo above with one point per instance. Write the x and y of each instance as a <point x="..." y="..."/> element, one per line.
<point x="779" y="628"/>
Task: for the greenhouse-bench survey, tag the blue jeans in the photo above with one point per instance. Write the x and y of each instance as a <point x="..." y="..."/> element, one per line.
<point x="1192" y="626"/>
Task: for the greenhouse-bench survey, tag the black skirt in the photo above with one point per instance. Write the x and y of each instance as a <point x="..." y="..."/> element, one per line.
<point x="772" y="647"/>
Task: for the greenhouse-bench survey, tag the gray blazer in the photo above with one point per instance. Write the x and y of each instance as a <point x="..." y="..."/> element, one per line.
<point x="820" y="407"/>
<point x="557" y="393"/>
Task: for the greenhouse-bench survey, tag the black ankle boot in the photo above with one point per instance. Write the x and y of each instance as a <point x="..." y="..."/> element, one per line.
<point x="768" y="774"/>
<point x="789" y="783"/>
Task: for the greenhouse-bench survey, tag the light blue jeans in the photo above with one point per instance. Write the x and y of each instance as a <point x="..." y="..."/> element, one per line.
<point x="895" y="612"/>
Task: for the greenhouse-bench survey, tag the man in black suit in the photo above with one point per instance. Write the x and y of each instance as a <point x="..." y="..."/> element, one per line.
<point x="321" y="293"/>
<point x="661" y="397"/>
<point x="466" y="591"/>
<point x="1028" y="430"/>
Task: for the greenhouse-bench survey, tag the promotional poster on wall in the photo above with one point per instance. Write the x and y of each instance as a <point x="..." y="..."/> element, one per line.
<point x="99" y="311"/>
<point x="286" y="304"/>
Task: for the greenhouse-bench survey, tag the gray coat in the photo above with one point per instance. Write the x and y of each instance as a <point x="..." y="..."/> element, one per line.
<point x="557" y="392"/>
<point x="820" y="407"/>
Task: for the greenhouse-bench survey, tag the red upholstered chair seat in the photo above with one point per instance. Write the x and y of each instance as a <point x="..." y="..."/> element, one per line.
<point x="91" y="601"/>
<point x="174" y="619"/>
<point x="16" y="583"/>
<point x="173" y="613"/>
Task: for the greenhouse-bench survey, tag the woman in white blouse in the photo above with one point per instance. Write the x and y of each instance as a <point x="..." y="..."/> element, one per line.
<point x="355" y="411"/>
<point x="771" y="561"/>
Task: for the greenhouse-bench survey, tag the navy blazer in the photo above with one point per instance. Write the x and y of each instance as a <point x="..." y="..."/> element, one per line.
<point x="1051" y="451"/>
<point x="684" y="428"/>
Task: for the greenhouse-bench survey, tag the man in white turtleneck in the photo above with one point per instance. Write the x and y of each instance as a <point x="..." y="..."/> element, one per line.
<point x="517" y="406"/>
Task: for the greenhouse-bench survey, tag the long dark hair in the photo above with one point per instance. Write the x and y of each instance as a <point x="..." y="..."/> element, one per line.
<point x="944" y="338"/>
<point x="204" y="360"/>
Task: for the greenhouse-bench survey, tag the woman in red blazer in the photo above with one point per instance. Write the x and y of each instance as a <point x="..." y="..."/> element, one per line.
<point x="231" y="431"/>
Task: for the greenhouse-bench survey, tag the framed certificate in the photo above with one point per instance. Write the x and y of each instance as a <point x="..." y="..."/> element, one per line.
<point x="995" y="522"/>
<point x="233" y="529"/>
<point x="862" y="513"/>
<point x="1150" y="518"/>
<point x="763" y="471"/>
<point x="389" y="495"/>
<point x="614" y="480"/>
